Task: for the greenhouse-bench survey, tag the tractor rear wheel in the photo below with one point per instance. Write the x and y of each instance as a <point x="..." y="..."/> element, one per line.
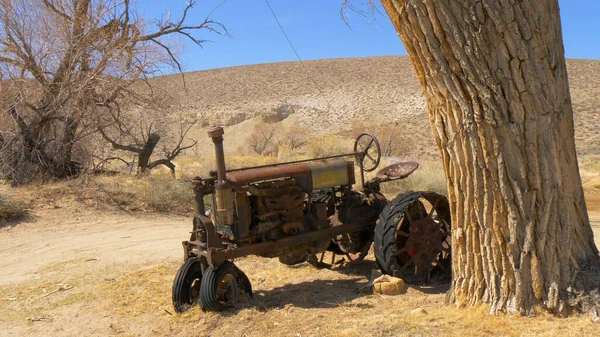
<point x="186" y="285"/>
<point x="412" y="238"/>
<point x="223" y="286"/>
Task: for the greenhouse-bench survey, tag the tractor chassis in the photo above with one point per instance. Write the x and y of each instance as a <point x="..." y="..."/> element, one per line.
<point x="214" y="253"/>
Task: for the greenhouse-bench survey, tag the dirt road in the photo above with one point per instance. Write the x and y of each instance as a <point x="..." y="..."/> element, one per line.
<point x="107" y="238"/>
<point x="52" y="236"/>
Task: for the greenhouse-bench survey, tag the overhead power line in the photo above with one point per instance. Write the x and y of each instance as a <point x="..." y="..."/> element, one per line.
<point x="297" y="55"/>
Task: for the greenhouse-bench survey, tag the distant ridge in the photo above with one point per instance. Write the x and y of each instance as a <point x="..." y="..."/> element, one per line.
<point x="373" y="91"/>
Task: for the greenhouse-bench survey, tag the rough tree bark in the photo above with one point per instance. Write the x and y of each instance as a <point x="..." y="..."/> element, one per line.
<point x="146" y="152"/>
<point x="495" y="79"/>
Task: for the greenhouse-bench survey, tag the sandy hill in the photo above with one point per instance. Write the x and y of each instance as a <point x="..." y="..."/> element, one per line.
<point x="342" y="96"/>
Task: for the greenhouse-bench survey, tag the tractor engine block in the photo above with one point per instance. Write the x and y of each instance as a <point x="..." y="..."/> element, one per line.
<point x="278" y="209"/>
<point x="278" y="212"/>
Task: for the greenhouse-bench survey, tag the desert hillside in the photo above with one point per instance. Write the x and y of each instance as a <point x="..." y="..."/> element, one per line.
<point x="340" y="96"/>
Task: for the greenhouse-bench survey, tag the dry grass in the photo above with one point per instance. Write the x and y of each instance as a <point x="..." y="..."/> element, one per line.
<point x="428" y="177"/>
<point x="298" y="301"/>
<point x="10" y="208"/>
<point x="154" y="193"/>
<point x="135" y="299"/>
<point x="189" y="167"/>
<point x="157" y="193"/>
<point x="589" y="168"/>
<point x="327" y="145"/>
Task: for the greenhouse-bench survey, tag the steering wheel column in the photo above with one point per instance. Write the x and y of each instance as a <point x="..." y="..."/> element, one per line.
<point x="368" y="154"/>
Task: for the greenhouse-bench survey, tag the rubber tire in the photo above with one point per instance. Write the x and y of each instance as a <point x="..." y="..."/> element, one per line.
<point x="189" y="271"/>
<point x="384" y="240"/>
<point x="210" y="283"/>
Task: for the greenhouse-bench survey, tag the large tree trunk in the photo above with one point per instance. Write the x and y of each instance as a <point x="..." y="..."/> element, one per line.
<point x="146" y="152"/>
<point x="495" y="80"/>
<point x="65" y="167"/>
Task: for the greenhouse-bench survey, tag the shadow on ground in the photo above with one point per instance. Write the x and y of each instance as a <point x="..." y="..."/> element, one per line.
<point x="322" y="294"/>
<point x="310" y="294"/>
<point x="433" y="289"/>
<point x="14" y="222"/>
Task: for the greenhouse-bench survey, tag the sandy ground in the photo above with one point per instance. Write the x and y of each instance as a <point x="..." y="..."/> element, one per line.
<point x="99" y="258"/>
<point x="107" y="238"/>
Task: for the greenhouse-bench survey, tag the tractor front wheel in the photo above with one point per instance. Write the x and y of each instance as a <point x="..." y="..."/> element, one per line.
<point x="186" y="285"/>
<point x="222" y="287"/>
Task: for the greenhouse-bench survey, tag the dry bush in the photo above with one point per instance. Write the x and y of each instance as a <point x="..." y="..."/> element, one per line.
<point x="192" y="167"/>
<point x="11" y="209"/>
<point x="263" y="140"/>
<point x="589" y="164"/>
<point x="267" y="139"/>
<point x="589" y="169"/>
<point x="158" y="193"/>
<point x="286" y="153"/>
<point x="428" y="177"/>
<point x="291" y="138"/>
<point x="154" y="193"/>
<point x="68" y="65"/>
<point x="328" y="145"/>
<point x="393" y="138"/>
<point x="235" y="162"/>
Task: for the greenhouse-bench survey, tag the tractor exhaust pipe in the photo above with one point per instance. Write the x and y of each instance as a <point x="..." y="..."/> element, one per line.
<point x="216" y="134"/>
<point x="223" y="190"/>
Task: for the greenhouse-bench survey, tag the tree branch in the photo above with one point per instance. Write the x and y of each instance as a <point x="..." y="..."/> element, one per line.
<point x="174" y="59"/>
<point x="53" y="8"/>
<point x="371" y="10"/>
<point x="118" y="146"/>
<point x="179" y="28"/>
<point x="106" y="160"/>
<point x="11" y="62"/>
<point x="164" y="162"/>
<point x="23" y="50"/>
<point x="67" y="63"/>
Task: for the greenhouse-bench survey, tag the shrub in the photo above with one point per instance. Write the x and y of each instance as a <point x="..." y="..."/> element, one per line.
<point x="159" y="193"/>
<point x="428" y="177"/>
<point x="11" y="209"/>
<point x="328" y="145"/>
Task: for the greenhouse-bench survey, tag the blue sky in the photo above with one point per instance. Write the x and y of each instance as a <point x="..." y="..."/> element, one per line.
<point x="317" y="31"/>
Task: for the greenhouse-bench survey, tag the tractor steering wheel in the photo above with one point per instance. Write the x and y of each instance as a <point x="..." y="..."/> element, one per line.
<point x="368" y="152"/>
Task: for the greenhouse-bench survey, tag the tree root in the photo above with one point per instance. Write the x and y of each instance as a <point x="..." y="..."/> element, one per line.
<point x="584" y="294"/>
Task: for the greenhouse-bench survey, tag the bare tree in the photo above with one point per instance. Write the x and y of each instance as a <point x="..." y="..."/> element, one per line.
<point x="495" y="80"/>
<point x="263" y="139"/>
<point x="135" y="133"/>
<point x="290" y="137"/>
<point x="62" y="62"/>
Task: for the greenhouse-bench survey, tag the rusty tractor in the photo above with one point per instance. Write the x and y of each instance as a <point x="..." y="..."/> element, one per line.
<point x="297" y="210"/>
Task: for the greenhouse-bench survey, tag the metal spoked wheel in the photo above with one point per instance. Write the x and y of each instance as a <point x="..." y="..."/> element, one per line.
<point x="412" y="238"/>
<point x="222" y="287"/>
<point x="368" y="152"/>
<point x="186" y="286"/>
